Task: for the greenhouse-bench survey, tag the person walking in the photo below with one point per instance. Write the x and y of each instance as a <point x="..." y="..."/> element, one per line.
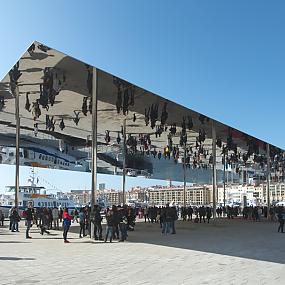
<point x="55" y="218"/>
<point x="29" y="219"/>
<point x="1" y="218"/>
<point x="167" y="219"/>
<point x="123" y="225"/>
<point x="97" y="223"/>
<point x="45" y="222"/>
<point x="81" y="217"/>
<point x="10" y="218"/>
<point x="174" y="217"/>
<point x="190" y="213"/>
<point x="66" y="224"/>
<point x="15" y="220"/>
<point x="146" y="212"/>
<point x="109" y="225"/>
<point x="208" y="214"/>
<point x="281" y="220"/>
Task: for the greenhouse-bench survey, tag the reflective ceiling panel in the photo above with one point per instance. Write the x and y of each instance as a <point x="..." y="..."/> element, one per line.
<point x="56" y="114"/>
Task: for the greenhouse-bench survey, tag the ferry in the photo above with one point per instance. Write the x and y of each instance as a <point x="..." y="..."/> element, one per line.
<point x="37" y="195"/>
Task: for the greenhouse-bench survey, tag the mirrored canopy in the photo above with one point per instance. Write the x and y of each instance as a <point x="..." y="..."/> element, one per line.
<point x="162" y="137"/>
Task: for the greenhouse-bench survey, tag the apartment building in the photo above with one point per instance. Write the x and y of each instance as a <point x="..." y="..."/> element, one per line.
<point x="195" y="195"/>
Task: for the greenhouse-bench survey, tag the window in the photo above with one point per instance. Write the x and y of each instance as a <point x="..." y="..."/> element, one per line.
<point x="39" y="204"/>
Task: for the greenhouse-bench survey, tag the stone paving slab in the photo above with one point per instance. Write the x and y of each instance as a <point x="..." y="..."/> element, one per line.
<point x="229" y="252"/>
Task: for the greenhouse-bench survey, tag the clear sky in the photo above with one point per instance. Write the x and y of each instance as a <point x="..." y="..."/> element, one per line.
<point x="223" y="58"/>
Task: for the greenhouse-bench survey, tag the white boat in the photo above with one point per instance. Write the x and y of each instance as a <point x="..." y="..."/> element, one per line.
<point x="37" y="195"/>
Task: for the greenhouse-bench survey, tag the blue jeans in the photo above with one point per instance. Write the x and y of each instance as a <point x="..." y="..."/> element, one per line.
<point x="123" y="229"/>
<point x="29" y="224"/>
<point x="15" y="226"/>
<point x="109" y="232"/>
<point x="166" y="226"/>
<point x="172" y="225"/>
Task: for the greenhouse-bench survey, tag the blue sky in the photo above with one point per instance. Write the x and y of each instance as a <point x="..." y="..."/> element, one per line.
<point x="222" y="58"/>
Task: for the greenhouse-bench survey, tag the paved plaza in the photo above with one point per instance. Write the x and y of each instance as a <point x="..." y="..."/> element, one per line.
<point x="227" y="252"/>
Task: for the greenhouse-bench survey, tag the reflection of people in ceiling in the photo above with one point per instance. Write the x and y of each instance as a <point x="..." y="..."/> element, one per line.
<point x="15" y="73"/>
<point x="146" y="116"/>
<point x="2" y="103"/>
<point x="50" y="123"/>
<point x="61" y="124"/>
<point x="89" y="79"/>
<point x="36" y="129"/>
<point x="43" y="97"/>
<point x="119" y="100"/>
<point x="43" y="48"/>
<point x="84" y="106"/>
<point x="90" y="105"/>
<point x="76" y="119"/>
<point x="31" y="49"/>
<point x="126" y="102"/>
<point x="164" y="114"/>
<point x="28" y="104"/>
<point x="153" y="114"/>
<point x="36" y="111"/>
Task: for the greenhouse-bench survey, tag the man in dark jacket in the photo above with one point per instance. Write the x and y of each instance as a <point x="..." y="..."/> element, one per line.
<point x="29" y="219"/>
<point x="168" y="218"/>
<point x="174" y="217"/>
<point x="97" y="224"/>
<point x="281" y="220"/>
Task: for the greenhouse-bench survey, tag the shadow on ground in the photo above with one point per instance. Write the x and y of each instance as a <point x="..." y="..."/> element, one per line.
<point x="237" y="238"/>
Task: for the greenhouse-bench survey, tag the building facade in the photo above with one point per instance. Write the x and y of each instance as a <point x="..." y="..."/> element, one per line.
<point x="195" y="195"/>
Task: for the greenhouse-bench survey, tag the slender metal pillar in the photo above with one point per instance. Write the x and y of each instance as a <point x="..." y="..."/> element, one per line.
<point x="224" y="178"/>
<point x="184" y="178"/>
<point x="268" y="179"/>
<point x="124" y="162"/>
<point x="214" y="169"/>
<point x="17" y="118"/>
<point x="94" y="147"/>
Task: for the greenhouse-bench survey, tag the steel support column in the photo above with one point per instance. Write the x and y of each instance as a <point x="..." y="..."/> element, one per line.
<point x="214" y="169"/>
<point x="184" y="177"/>
<point x="17" y="118"/>
<point x="224" y="178"/>
<point x="268" y="179"/>
<point x="124" y="162"/>
<point x="94" y="147"/>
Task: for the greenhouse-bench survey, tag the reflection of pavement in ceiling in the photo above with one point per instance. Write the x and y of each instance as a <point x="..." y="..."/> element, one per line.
<point x="73" y="75"/>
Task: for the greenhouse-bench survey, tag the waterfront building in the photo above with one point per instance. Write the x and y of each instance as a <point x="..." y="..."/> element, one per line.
<point x="195" y="195"/>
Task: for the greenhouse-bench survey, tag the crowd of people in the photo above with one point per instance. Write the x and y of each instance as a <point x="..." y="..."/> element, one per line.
<point x="205" y="213"/>
<point x="121" y="219"/>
